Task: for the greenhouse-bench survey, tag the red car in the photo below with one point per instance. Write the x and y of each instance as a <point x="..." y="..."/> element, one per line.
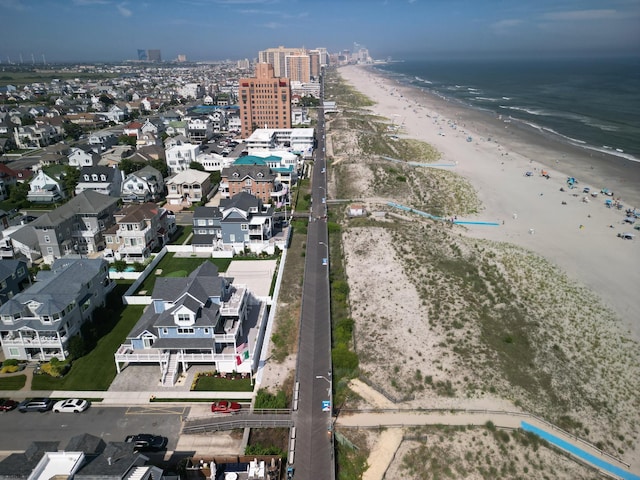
<point x="224" y="406"/>
<point x="6" y="404"/>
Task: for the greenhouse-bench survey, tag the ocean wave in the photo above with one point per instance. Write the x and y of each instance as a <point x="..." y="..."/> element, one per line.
<point x="506" y="98"/>
<point x="423" y="80"/>
<point x="487" y="99"/>
<point x="591" y="122"/>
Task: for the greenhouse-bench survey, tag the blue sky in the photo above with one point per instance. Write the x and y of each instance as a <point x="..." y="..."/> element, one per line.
<point x="112" y="30"/>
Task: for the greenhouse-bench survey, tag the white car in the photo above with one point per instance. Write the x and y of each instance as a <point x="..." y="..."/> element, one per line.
<point x="71" y="405"/>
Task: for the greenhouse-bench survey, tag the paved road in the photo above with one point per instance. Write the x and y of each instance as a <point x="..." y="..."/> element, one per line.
<point x="314" y="442"/>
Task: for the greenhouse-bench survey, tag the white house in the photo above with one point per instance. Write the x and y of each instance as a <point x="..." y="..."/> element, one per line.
<point x="44" y="189"/>
<point x="144" y="185"/>
<point x="83" y="158"/>
<point x="179" y="157"/>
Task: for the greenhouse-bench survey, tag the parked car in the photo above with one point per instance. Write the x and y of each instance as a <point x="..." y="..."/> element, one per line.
<point x="6" y="404"/>
<point x="35" y="405"/>
<point x="225" y="406"/>
<point x="145" y="442"/>
<point x="71" y="405"/>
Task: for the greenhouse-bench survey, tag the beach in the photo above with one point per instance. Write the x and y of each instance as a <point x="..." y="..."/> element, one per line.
<point x="573" y="230"/>
<point x="575" y="280"/>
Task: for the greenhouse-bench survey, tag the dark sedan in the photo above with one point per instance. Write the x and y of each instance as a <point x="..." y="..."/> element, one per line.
<point x="145" y="442"/>
<point x="6" y="404"/>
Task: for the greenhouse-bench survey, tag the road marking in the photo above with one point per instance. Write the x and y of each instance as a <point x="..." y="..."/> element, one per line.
<point x="155" y="410"/>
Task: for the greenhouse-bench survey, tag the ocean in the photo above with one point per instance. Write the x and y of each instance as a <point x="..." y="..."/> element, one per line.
<point x="591" y="103"/>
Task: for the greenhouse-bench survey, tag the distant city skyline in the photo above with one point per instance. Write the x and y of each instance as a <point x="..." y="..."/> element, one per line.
<point x="210" y="30"/>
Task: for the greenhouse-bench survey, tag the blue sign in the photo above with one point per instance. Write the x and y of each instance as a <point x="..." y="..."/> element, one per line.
<point x="326" y="405"/>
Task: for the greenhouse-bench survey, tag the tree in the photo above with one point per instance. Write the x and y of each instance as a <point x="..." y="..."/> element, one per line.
<point x="196" y="166"/>
<point x="127" y="140"/>
<point x="18" y="194"/>
<point x="161" y="166"/>
<point x="69" y="179"/>
<point x="72" y="130"/>
<point x="128" y="166"/>
<point x="106" y="100"/>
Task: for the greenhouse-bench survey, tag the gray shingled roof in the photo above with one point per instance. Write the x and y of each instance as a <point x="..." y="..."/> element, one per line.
<point x="193" y="292"/>
<point x="54" y="289"/>
<point x="87" y="202"/>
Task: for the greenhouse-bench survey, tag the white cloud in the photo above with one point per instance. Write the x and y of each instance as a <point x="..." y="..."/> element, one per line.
<point x="575" y="15"/>
<point x="506" y="25"/>
<point x="82" y="3"/>
<point x="13" y="5"/>
<point x="123" y="10"/>
<point x="272" y="25"/>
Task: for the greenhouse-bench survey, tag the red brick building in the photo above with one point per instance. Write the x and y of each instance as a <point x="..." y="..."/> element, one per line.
<point x="265" y="101"/>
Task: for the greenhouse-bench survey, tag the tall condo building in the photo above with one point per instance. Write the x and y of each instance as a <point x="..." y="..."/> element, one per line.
<point x="265" y="100"/>
<point x="149" y="56"/>
<point x="277" y="58"/>
<point x="298" y="68"/>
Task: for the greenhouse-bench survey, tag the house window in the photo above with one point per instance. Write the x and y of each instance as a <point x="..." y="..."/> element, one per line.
<point x="185" y="331"/>
<point x="174" y="188"/>
<point x="47" y="239"/>
<point x="46" y="319"/>
<point x="86" y="177"/>
<point x="14" y="352"/>
<point x="247" y="182"/>
<point x="50" y="250"/>
<point x="3" y="285"/>
<point x="206" y="330"/>
<point x="244" y="226"/>
<point x="184" y="317"/>
<point x="21" y="271"/>
<point x="165" y="331"/>
<point x="94" y="177"/>
<point x="103" y="178"/>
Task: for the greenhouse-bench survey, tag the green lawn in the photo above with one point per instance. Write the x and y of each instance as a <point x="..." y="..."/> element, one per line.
<point x="173" y="266"/>
<point x="97" y="369"/>
<point x="183" y="231"/>
<point x="13" y="383"/>
<point x="219" y="384"/>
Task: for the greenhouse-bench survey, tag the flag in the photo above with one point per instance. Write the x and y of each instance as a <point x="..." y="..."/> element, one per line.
<point x="241" y="348"/>
<point x="238" y="360"/>
<point x="245" y="354"/>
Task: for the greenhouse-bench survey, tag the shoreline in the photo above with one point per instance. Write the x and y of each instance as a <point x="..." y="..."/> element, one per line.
<point x="567" y="227"/>
<point x="590" y="166"/>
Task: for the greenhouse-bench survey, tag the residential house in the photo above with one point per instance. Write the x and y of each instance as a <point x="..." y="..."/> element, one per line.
<point x="102" y="141"/>
<point x="144" y="185"/>
<point x="187" y="187"/>
<point x="239" y="222"/>
<point x="195" y="319"/>
<point x="20" y="242"/>
<point x="14" y="278"/>
<point x="45" y="189"/>
<point x="257" y="180"/>
<point x="83" y="157"/>
<point x="140" y="229"/>
<point x="104" y="180"/>
<point x="85" y="457"/>
<point x="132" y="129"/>
<point x="35" y="136"/>
<point x="180" y="155"/>
<point x="199" y="129"/>
<point x="76" y="226"/>
<point x="38" y="323"/>
<point x="177" y="127"/>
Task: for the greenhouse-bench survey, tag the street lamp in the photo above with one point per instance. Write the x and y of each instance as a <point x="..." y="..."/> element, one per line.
<point x="329" y="381"/>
